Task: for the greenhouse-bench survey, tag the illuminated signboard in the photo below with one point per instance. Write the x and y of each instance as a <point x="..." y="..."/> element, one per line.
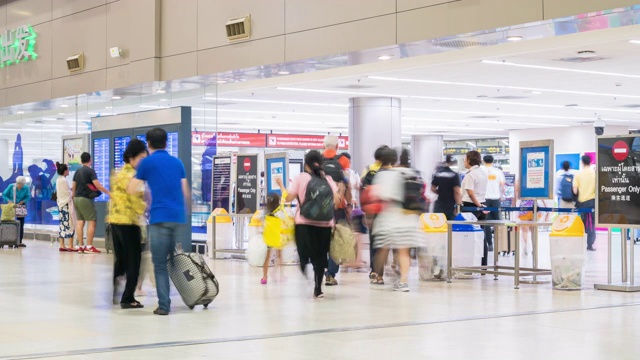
<point x="17" y="45"/>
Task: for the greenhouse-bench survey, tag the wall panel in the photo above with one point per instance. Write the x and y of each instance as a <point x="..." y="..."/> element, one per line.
<point x="84" y="32"/>
<point x="118" y="34"/>
<point x="37" y="70"/>
<point x="179" y="30"/>
<point x="555" y="9"/>
<point x="27" y="12"/>
<point x="118" y="77"/>
<point x="241" y="55"/>
<point x="404" y="5"/>
<point x="379" y="31"/>
<point x="79" y="84"/>
<point x="267" y="19"/>
<point x="304" y="14"/>
<point x="28" y="93"/>
<point x="179" y="66"/>
<point x="68" y="7"/>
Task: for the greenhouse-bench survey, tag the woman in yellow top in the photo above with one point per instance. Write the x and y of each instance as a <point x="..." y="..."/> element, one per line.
<point x="125" y="212"/>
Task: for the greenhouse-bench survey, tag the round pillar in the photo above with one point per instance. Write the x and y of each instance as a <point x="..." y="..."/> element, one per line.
<point x="373" y="121"/>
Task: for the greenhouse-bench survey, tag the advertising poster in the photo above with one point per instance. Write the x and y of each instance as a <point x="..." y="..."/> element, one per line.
<point x="276" y="168"/>
<point x="221" y="182"/>
<point x="72" y="149"/>
<point x="573" y="159"/>
<point x="509" y="189"/>
<point x="536" y="164"/>
<point x="618" y="164"/>
<point x="247" y="185"/>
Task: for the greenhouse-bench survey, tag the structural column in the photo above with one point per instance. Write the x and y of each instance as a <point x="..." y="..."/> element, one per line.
<point x="426" y="154"/>
<point x="373" y="121"/>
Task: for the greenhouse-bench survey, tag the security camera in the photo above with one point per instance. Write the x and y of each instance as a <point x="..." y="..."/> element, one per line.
<point x="599" y="126"/>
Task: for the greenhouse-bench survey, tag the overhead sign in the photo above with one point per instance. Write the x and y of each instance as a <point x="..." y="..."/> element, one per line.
<point x="618" y="164"/>
<point x="17" y="45"/>
<point x="302" y="141"/>
<point x="480" y="149"/>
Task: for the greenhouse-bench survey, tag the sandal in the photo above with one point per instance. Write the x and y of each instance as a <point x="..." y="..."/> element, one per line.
<point x="377" y="281"/>
<point x="373" y="276"/>
<point x="133" y="305"/>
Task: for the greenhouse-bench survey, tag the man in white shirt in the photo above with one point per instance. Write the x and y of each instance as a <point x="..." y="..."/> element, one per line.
<point x="474" y="186"/>
<point x="493" y="195"/>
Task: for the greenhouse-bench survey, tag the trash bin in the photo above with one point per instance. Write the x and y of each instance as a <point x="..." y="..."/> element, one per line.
<point x="255" y="225"/>
<point x="567" y="245"/>
<point x="224" y="233"/>
<point x="468" y="245"/>
<point x="432" y="259"/>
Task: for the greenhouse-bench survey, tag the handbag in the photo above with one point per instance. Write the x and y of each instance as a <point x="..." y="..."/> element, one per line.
<point x="21" y="210"/>
<point x="278" y="232"/>
<point x="93" y="191"/>
<point x="343" y="244"/>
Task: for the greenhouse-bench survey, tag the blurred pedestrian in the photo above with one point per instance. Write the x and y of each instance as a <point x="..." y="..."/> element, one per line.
<point x="446" y="183"/>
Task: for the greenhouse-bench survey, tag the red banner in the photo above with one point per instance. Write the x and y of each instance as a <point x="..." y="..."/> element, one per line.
<point x="229" y="139"/>
<point x="302" y="141"/>
<point x="232" y="139"/>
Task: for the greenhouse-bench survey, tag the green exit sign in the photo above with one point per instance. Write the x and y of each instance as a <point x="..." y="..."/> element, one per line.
<point x="17" y="45"/>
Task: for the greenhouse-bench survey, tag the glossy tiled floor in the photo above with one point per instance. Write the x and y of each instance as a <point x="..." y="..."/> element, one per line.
<point x="59" y="306"/>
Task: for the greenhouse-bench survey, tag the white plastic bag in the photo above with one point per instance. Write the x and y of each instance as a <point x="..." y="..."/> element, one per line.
<point x="256" y="251"/>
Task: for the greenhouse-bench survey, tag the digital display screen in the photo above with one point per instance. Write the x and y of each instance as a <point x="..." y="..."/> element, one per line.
<point x="172" y="143"/>
<point x="119" y="146"/>
<point x="101" y="164"/>
<point x="73" y="148"/>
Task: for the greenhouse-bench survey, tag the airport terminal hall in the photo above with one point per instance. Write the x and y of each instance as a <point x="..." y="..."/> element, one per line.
<point x="320" y="179"/>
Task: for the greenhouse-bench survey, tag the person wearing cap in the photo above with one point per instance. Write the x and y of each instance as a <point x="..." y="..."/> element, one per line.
<point x="495" y="191"/>
<point x="446" y="184"/>
<point x="19" y="195"/>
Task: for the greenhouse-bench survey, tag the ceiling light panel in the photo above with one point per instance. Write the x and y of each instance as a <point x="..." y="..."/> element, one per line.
<point x="553" y="68"/>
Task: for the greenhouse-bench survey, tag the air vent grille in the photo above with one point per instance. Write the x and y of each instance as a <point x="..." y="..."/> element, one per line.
<point x="578" y="59"/>
<point x="459" y="44"/>
<point x="239" y="29"/>
<point x="75" y="63"/>
<point x="355" y="86"/>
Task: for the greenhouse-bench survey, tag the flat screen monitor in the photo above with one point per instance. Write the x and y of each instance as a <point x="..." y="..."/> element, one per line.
<point x="172" y="142"/>
<point x="120" y="144"/>
<point x="101" y="160"/>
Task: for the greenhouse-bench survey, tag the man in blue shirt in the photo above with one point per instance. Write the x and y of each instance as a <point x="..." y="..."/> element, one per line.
<point x="170" y="193"/>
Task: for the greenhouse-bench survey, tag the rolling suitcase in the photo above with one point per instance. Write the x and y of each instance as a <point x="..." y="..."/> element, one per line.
<point x="193" y="279"/>
<point x="9" y="233"/>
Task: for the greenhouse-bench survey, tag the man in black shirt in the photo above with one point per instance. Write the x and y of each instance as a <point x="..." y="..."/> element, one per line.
<point x="446" y="183"/>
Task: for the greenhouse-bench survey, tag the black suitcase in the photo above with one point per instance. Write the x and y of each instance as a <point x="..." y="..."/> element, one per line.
<point x="193" y="279"/>
<point x="9" y="233"/>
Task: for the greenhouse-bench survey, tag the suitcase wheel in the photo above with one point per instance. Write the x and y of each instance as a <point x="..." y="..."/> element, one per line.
<point x="191" y="307"/>
<point x="206" y="305"/>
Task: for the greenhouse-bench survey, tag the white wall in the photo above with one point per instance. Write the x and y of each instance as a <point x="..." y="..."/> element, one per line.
<point x="569" y="140"/>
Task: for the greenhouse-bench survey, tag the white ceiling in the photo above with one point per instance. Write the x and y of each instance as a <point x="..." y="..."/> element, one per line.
<point x="460" y="94"/>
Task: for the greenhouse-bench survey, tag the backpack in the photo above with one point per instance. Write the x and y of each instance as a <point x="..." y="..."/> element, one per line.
<point x="333" y="169"/>
<point x="368" y="178"/>
<point x="414" y="199"/>
<point x="566" y="188"/>
<point x="318" y="200"/>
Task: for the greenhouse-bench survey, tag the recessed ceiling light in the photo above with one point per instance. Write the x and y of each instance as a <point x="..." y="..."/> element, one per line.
<point x="116" y="97"/>
<point x="634" y="41"/>
<point x="161" y="91"/>
<point x="64" y="105"/>
<point x="109" y="107"/>
<point x="493" y="62"/>
<point x="60" y="113"/>
<point x="220" y="82"/>
<point x="283" y="72"/>
<point x="384" y="57"/>
<point x="20" y="112"/>
<point x="514" y="38"/>
<point x="164" y="99"/>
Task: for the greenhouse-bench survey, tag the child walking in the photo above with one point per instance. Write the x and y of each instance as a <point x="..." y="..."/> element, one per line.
<point x="275" y="232"/>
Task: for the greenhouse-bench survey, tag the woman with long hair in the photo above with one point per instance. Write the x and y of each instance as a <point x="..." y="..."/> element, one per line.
<point x="65" y="207"/>
<point x="317" y="196"/>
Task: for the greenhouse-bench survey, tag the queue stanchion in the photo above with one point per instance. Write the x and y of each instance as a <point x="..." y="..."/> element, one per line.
<point x="567" y="246"/>
<point x="219" y="233"/>
<point x="432" y="258"/>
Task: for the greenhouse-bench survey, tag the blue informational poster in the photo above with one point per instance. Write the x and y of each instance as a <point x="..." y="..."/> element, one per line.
<point x="573" y="159"/>
<point x="101" y="158"/>
<point x="535" y="170"/>
<point x="276" y="167"/>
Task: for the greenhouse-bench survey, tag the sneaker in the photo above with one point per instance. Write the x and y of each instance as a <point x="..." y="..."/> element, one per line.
<point x="331" y="281"/>
<point x="22" y="245"/>
<point x="92" y="249"/>
<point x="263" y="281"/>
<point x="72" y="249"/>
<point x="63" y="249"/>
<point x="403" y="287"/>
<point x="590" y="248"/>
<point x="317" y="293"/>
<point x="159" y="311"/>
<point x="81" y="250"/>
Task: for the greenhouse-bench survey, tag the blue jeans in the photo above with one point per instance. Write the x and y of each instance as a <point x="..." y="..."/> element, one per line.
<point x="333" y="268"/>
<point x="163" y="238"/>
<point x="589" y="221"/>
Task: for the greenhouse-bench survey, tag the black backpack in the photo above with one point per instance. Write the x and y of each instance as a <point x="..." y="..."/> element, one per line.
<point x="414" y="199"/>
<point x="318" y="200"/>
<point x="333" y="169"/>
